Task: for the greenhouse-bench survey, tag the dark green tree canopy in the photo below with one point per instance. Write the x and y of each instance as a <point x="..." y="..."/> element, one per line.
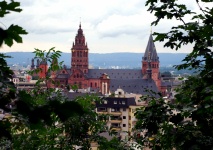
<point x="186" y="122"/>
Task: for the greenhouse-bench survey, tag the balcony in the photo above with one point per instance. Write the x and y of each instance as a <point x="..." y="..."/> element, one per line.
<point x="115" y="127"/>
<point x="118" y="113"/>
<point x="115" y="119"/>
<point x="102" y="110"/>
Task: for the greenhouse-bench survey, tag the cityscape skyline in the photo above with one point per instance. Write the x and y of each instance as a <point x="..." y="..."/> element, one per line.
<point x="109" y="26"/>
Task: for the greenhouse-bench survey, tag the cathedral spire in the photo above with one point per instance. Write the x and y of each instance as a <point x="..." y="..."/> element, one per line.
<point x="151" y="63"/>
<point x="80" y="25"/>
<point x="152" y="50"/>
<point x="79" y="52"/>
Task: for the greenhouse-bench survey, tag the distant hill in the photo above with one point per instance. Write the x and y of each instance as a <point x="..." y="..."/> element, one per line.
<point x="124" y="60"/>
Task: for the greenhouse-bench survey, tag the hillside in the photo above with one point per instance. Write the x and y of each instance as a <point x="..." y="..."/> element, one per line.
<point x="123" y="60"/>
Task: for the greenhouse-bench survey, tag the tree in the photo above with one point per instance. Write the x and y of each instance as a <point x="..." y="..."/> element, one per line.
<point x="188" y="122"/>
<point x="44" y="118"/>
<point x="41" y="118"/>
<point x="7" y="90"/>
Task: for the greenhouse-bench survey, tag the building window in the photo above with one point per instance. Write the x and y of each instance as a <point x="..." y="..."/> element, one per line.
<point x="124" y="109"/>
<point x="123" y="102"/>
<point x="115" y="109"/>
<point x="102" y="109"/>
<point x="124" y="125"/>
<point x="115" y="102"/>
<point x="105" y="101"/>
<point x="129" y="117"/>
<point x="124" y="117"/>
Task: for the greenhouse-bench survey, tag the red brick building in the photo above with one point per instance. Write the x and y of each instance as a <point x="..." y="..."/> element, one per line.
<point x="108" y="81"/>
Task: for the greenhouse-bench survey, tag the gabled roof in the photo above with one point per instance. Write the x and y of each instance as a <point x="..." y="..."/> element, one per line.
<point x="151" y="51"/>
<point x="120" y="74"/>
<point x="137" y="86"/>
<point x="130" y="80"/>
<point x="62" y="76"/>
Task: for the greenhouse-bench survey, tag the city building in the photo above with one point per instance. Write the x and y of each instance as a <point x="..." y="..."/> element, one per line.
<point x="107" y="81"/>
<point x="120" y="111"/>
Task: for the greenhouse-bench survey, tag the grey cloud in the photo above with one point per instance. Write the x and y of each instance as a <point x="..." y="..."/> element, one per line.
<point x="39" y="25"/>
<point x="34" y="26"/>
<point x="49" y="30"/>
<point x="125" y="30"/>
<point x="25" y="3"/>
<point x="118" y="11"/>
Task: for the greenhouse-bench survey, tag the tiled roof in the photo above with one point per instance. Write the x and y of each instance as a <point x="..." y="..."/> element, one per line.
<point x="130" y="80"/>
<point x="137" y="86"/>
<point x="171" y="83"/>
<point x="69" y="71"/>
<point x="151" y="50"/>
<point x="62" y="76"/>
<point x="121" y="74"/>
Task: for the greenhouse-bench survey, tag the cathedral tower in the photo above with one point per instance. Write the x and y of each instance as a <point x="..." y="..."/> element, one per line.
<point x="79" y="53"/>
<point x="43" y="69"/>
<point x="151" y="60"/>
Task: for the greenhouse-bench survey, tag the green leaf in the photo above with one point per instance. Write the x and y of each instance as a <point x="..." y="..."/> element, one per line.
<point x="13" y="33"/>
<point x="6" y="7"/>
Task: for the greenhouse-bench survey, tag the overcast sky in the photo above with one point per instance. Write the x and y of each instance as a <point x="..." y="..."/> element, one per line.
<point x="108" y="25"/>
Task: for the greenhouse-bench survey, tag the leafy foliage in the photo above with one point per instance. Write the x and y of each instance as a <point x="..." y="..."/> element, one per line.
<point x="185" y="123"/>
<point x="42" y="118"/>
<point x="13" y="31"/>
<point x="7" y="7"/>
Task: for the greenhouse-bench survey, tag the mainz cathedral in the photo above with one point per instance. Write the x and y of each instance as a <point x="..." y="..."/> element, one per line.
<point x="107" y="81"/>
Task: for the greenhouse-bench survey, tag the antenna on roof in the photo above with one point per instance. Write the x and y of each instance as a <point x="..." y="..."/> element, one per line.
<point x="80" y="23"/>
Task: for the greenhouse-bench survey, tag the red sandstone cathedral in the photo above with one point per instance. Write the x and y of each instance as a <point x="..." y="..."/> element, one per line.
<point x="107" y="81"/>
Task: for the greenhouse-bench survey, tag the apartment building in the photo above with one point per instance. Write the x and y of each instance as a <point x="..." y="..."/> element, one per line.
<point x="120" y="111"/>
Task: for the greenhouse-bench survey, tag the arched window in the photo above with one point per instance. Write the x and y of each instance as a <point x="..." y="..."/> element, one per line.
<point x="91" y="84"/>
